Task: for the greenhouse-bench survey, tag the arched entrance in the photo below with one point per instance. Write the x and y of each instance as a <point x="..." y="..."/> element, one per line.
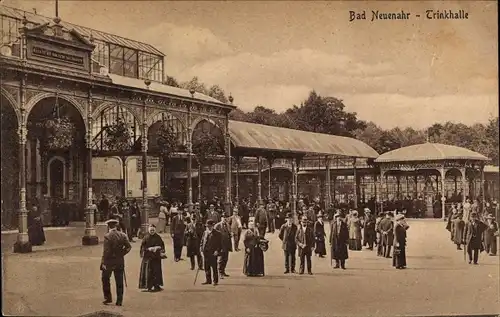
<point x="56" y="160"/>
<point x="9" y="164"/>
<point x="208" y="150"/>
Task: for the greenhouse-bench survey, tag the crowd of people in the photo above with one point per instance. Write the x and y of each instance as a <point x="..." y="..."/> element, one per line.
<point x="474" y="230"/>
<point x="210" y="235"/>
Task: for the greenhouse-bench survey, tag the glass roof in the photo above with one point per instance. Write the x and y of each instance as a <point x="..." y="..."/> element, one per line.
<point x="257" y="136"/>
<point x="98" y="35"/>
<point x="430" y="152"/>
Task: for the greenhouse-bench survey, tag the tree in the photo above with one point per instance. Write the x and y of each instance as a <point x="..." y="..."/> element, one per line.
<point x="171" y="81"/>
<point x="216" y="92"/>
<point x="238" y="115"/>
<point x="324" y="115"/>
<point x="195" y="84"/>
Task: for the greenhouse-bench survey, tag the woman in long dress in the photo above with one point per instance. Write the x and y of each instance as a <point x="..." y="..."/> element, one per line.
<point x="152" y="252"/>
<point x="319" y="236"/>
<point x="36" y="235"/>
<point x="162" y="218"/>
<point x="253" y="264"/>
<point x="399" y="255"/>
<point x="354" y="224"/>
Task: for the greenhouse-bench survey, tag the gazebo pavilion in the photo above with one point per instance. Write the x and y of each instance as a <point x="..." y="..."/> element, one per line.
<point x="435" y="166"/>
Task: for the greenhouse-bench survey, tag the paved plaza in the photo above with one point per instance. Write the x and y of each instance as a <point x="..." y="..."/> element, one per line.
<point x="437" y="281"/>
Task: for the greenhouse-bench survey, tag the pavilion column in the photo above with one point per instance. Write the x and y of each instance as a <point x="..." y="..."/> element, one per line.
<point x="464" y="183"/>
<point x="270" y="162"/>
<point x="398" y="188"/>
<point x="376" y="192"/>
<point x="334" y="197"/>
<point x="294" y="189"/>
<point x="189" y="162"/>
<point x="482" y="193"/>
<point x="356" y="184"/>
<point x="237" y="180"/>
<point x="90" y="235"/>
<point x="328" y="193"/>
<point x="382" y="172"/>
<point x="227" y="179"/>
<point x="442" y="171"/>
<point x="22" y="245"/>
<point x="259" y="180"/>
<point x="200" y="170"/>
<point x="145" y="207"/>
<point x="416" y="186"/>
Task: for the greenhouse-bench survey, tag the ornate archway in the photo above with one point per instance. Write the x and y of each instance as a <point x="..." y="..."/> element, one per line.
<point x="9" y="161"/>
<point x="56" y="129"/>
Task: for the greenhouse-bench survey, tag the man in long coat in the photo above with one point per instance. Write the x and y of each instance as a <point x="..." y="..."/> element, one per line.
<point x="339" y="239"/>
<point x="287" y="236"/>
<point x="261" y="220"/>
<point x="386" y="227"/>
<point x="210" y="248"/>
<point x="304" y="238"/>
<point x="177" y="229"/>
<point x="271" y="216"/>
<point x="236" y="226"/>
<point x="473" y="235"/>
<point x="226" y="246"/>
<point x="369" y="234"/>
<point x="116" y="246"/>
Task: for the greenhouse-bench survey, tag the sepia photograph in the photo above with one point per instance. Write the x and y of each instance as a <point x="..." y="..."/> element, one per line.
<point x="249" y="158"/>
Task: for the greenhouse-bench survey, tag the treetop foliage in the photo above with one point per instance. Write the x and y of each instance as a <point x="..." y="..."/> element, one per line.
<point x="328" y="115"/>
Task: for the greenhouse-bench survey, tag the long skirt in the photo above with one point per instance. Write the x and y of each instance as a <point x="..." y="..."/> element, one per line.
<point x="399" y="257"/>
<point x="253" y="264"/>
<point x="490" y="243"/>
<point x="320" y="248"/>
<point x="355" y="244"/>
<point x="162" y="224"/>
<point x="35" y="233"/>
<point x="151" y="274"/>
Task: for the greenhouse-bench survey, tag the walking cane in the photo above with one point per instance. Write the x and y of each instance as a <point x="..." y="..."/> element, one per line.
<point x="196" y="276"/>
<point x="125" y="278"/>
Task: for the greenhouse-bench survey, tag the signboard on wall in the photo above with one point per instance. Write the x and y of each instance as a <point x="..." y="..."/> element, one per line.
<point x="152" y="165"/>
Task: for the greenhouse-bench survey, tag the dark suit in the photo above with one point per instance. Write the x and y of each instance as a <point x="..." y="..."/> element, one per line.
<point x="305" y="241"/>
<point x="177" y="229"/>
<point x="261" y="221"/>
<point x="287" y="235"/>
<point x="339" y="238"/>
<point x="214" y="216"/>
<point x="210" y="244"/>
<point x="386" y="226"/>
<point x="116" y="246"/>
<point x="473" y="239"/>
<point x="226" y="246"/>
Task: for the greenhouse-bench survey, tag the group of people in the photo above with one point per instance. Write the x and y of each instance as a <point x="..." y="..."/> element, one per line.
<point x="475" y="231"/>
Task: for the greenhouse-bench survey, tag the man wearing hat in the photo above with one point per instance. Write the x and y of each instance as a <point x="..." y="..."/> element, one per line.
<point x="386" y="227"/>
<point x="399" y="258"/>
<point x="490" y="235"/>
<point x="210" y="248"/>
<point x="226" y="247"/>
<point x="473" y="235"/>
<point x="339" y="239"/>
<point x="287" y="235"/>
<point x="177" y="232"/>
<point x="236" y="226"/>
<point x="304" y="238"/>
<point x="116" y="246"/>
<point x="369" y="234"/>
<point x="261" y="220"/>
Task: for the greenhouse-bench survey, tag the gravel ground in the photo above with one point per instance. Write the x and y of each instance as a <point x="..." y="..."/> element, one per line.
<point x="438" y="281"/>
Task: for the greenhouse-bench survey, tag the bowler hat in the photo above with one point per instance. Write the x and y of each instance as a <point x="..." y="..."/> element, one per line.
<point x="473" y="214"/>
<point x="490" y="216"/>
<point x="289" y="215"/>
<point x="400" y="217"/>
<point x="210" y="222"/>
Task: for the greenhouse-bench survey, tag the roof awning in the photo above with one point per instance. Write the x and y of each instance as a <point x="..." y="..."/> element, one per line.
<point x="251" y="136"/>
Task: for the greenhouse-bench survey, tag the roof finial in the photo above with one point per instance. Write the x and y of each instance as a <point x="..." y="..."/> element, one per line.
<point x="231" y="99"/>
<point x="427" y="137"/>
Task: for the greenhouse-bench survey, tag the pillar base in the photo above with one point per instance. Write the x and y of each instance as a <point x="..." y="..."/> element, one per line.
<point x="22" y="247"/>
<point x="90" y="240"/>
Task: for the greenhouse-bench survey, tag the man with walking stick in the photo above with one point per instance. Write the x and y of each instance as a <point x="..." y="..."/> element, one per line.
<point x="116" y="246"/>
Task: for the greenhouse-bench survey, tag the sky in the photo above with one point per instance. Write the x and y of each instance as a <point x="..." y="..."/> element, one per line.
<point x="406" y="73"/>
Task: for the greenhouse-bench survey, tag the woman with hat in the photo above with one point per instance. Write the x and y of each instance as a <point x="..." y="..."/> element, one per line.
<point x="339" y="238"/>
<point x="319" y="235"/>
<point x="354" y="224"/>
<point x="399" y="253"/>
<point x="457" y="229"/>
<point x="253" y="264"/>
<point x="152" y="252"/>
<point x="490" y="235"/>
